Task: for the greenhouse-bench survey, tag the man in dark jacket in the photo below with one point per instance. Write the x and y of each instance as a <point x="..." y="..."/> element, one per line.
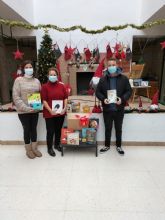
<point x="113" y="90"/>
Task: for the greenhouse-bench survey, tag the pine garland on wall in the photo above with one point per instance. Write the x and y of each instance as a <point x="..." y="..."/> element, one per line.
<point x="46" y="57"/>
<point x="80" y="27"/>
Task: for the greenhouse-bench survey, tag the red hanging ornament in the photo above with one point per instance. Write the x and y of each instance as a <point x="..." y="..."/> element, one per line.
<point x="162" y="44"/>
<point x="18" y="54"/>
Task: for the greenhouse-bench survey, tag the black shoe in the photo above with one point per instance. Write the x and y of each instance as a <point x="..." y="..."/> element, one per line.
<point x="120" y="150"/>
<point x="57" y="147"/>
<point x="104" y="149"/>
<point x="51" y="152"/>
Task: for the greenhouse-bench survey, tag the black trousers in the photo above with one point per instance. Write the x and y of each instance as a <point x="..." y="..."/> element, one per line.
<point x="53" y="127"/>
<point x="29" y="123"/>
<point x="117" y="117"/>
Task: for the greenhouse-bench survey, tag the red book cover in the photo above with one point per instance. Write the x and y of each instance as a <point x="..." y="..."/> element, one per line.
<point x="64" y="132"/>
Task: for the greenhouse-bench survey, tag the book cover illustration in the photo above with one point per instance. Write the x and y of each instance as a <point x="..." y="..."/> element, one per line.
<point x="93" y="123"/>
<point x="89" y="135"/>
<point x="73" y="138"/>
<point x="112" y="96"/>
<point x="57" y="106"/>
<point x="34" y="101"/>
<point x="64" y="133"/>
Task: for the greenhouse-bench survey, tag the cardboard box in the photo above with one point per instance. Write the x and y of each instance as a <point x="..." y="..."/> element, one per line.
<point x="73" y="120"/>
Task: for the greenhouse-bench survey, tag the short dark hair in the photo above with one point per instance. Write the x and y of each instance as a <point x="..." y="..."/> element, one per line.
<point x="26" y="62"/>
<point x="53" y="69"/>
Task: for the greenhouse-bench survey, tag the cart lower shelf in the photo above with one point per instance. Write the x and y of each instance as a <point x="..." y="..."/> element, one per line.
<point x="82" y="145"/>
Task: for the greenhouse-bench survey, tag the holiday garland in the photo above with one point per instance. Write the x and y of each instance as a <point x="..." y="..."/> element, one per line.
<point x="76" y="27"/>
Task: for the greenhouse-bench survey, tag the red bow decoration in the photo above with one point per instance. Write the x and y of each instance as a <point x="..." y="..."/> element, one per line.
<point x="18" y="55"/>
<point x="84" y="120"/>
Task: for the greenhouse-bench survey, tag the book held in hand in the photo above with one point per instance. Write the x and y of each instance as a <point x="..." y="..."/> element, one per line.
<point x="34" y="101"/>
<point x="112" y="96"/>
<point x="57" y="106"/>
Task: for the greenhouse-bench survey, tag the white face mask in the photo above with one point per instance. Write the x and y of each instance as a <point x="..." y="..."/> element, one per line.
<point x="28" y="72"/>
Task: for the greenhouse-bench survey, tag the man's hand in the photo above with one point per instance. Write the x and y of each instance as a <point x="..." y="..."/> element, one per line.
<point x="106" y="101"/>
<point x="118" y="101"/>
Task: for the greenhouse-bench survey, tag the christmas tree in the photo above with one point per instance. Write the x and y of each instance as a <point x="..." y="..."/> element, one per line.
<point x="46" y="57"/>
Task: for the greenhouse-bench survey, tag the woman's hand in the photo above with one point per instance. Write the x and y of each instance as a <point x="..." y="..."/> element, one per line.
<point x="53" y="112"/>
<point x="63" y="111"/>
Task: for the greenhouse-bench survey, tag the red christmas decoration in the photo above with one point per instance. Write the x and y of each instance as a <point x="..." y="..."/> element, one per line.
<point x="88" y="54"/>
<point x="155" y="98"/>
<point x="99" y="70"/>
<point x="84" y="121"/>
<point x="162" y="44"/>
<point x="18" y="55"/>
<point x="68" y="52"/>
<point x="109" y="52"/>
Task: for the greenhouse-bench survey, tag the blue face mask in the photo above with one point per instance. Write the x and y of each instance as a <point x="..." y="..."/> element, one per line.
<point x="53" y="79"/>
<point x="112" y="69"/>
<point x="28" y="71"/>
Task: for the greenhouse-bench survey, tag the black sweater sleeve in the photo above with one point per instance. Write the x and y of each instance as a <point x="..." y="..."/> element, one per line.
<point x="99" y="91"/>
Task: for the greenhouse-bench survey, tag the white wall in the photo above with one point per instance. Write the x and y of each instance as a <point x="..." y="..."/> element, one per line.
<point x="133" y="127"/>
<point x="92" y="14"/>
<point x="149" y="7"/>
<point x="23" y="8"/>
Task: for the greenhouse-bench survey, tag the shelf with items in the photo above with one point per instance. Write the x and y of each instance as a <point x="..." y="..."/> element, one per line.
<point x="81" y="131"/>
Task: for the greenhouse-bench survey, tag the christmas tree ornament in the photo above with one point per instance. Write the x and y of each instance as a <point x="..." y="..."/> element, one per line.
<point x="109" y="53"/>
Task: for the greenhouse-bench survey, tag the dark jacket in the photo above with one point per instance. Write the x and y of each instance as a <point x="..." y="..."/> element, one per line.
<point x="124" y="90"/>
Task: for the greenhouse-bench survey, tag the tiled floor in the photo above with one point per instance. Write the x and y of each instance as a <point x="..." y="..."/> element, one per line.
<point x="80" y="186"/>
